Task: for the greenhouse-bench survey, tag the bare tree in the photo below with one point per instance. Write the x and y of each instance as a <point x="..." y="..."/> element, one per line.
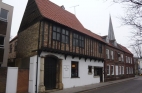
<point x="133" y="18"/>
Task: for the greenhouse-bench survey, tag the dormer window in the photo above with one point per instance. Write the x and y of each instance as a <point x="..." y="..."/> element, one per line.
<point x="3" y="14"/>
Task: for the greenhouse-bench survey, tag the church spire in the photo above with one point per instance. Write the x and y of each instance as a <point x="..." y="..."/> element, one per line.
<point x="110" y="31"/>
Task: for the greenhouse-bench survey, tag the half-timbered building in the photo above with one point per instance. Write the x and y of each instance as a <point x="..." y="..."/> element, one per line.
<point x="57" y="49"/>
<point x="118" y="59"/>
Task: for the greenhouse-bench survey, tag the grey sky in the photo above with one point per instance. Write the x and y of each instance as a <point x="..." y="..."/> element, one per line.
<point x="93" y="14"/>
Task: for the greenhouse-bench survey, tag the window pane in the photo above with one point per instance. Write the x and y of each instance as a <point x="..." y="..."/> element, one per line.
<point x="67" y="32"/>
<point x="82" y="44"/>
<point x="63" y="31"/>
<point x="74" y="35"/>
<point x="63" y="38"/>
<point x="54" y="28"/>
<point x="76" y="42"/>
<point x="58" y="29"/>
<point x="67" y="39"/>
<point x="1" y="40"/>
<point x="3" y="13"/>
<point x="80" y="37"/>
<point x="58" y="36"/>
<point x="54" y="35"/>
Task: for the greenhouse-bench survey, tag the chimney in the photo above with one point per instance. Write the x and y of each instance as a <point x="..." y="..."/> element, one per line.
<point x="63" y="7"/>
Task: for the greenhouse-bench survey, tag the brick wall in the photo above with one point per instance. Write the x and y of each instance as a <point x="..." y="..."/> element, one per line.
<point x="3" y="76"/>
<point x="23" y="81"/>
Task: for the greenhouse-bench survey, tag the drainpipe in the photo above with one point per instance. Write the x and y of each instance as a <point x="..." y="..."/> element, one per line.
<point x="36" y="86"/>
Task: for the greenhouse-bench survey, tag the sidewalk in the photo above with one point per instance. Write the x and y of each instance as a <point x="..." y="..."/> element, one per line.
<point x="92" y="86"/>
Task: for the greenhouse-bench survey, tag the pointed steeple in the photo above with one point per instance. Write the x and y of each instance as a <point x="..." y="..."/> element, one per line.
<point x="110" y="31"/>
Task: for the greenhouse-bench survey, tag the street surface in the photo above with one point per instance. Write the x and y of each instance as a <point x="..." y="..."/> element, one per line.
<point x="131" y="86"/>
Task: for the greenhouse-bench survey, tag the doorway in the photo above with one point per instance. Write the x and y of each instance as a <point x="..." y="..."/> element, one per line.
<point x="50" y="72"/>
<point x="98" y="72"/>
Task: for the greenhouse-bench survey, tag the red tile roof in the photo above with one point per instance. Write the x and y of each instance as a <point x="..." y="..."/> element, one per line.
<point x="54" y="12"/>
<point x="125" y="49"/>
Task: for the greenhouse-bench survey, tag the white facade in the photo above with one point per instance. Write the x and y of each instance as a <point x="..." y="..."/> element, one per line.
<point x="7" y="36"/>
<point x="84" y="78"/>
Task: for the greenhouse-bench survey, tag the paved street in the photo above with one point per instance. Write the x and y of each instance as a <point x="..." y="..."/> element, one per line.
<point x="131" y="86"/>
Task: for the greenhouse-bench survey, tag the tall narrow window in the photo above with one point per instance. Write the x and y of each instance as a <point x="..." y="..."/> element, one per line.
<point x="122" y="57"/>
<point x="1" y="41"/>
<point x="15" y="48"/>
<point x="112" y="57"/>
<point x="74" y="69"/>
<point x="78" y="40"/>
<point x="120" y="70"/>
<point x="112" y="70"/>
<point x="10" y="48"/>
<point x="107" y="53"/>
<point x="126" y="59"/>
<point x="108" y="69"/>
<point x="3" y="14"/>
<point x="100" y="48"/>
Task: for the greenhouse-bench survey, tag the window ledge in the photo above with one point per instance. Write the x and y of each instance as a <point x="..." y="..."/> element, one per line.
<point x="96" y="76"/>
<point x="75" y="77"/>
<point x="89" y="73"/>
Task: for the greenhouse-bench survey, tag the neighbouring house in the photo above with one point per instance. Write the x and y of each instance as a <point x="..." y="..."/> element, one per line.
<point x="12" y="52"/>
<point x="118" y="62"/>
<point x="67" y="54"/>
<point x="6" y="12"/>
<point x="60" y="53"/>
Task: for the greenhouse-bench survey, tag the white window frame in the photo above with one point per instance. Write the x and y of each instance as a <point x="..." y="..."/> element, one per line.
<point x="112" y="70"/>
<point x="112" y="55"/>
<point x="119" y="70"/>
<point x="107" y="53"/>
<point x="4" y="18"/>
<point x="122" y="57"/>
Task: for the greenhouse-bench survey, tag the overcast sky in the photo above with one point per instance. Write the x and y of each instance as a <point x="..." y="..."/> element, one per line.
<point x="93" y="14"/>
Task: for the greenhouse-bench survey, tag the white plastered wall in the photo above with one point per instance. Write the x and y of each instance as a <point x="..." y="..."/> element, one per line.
<point x="84" y="77"/>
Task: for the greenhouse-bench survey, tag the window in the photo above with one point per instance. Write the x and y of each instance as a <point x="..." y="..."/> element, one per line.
<point x="90" y="69"/>
<point x="108" y="70"/>
<point x="10" y="48"/>
<point x="112" y="70"/>
<point x="15" y="48"/>
<point x="112" y="55"/>
<point x="78" y="40"/>
<point x="119" y="57"/>
<point x="1" y="41"/>
<point x="131" y="61"/>
<point x="122" y="57"/>
<point x="96" y="71"/>
<point x="126" y="59"/>
<point x="74" y="69"/>
<point x="3" y="14"/>
<point x="100" y="48"/>
<point x="60" y="34"/>
<point x="65" y="36"/>
<point x="107" y="53"/>
<point x="127" y="70"/>
<point x="120" y="70"/>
